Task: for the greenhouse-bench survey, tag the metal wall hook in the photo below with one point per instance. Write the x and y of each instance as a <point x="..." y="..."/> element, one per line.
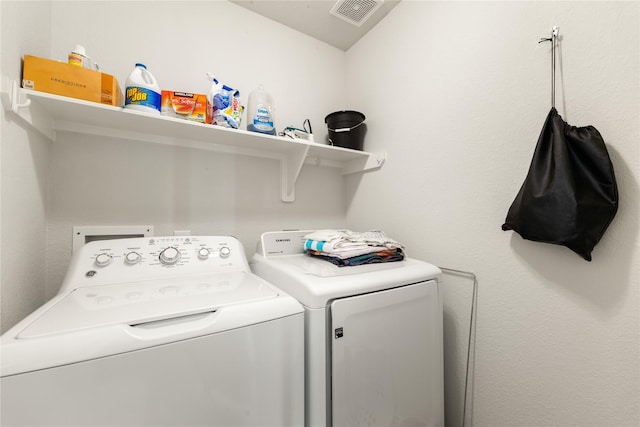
<point x="554" y="33"/>
<point x="553" y="39"/>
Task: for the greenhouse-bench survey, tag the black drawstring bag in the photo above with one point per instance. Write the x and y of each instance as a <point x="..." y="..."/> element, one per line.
<point x="569" y="196"/>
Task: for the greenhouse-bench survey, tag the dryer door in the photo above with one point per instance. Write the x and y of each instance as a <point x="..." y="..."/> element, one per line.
<point x="387" y="363"/>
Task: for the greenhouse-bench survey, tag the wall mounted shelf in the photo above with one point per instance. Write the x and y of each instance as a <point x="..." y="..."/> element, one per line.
<point x="51" y="113"/>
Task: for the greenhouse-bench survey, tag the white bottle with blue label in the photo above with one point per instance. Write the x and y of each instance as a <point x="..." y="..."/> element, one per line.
<point x="142" y="91"/>
<point x="261" y="115"/>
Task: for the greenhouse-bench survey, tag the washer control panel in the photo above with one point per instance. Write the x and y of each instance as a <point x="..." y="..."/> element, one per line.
<point x="120" y="260"/>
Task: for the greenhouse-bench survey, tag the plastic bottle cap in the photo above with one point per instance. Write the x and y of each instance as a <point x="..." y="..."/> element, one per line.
<point x="80" y="49"/>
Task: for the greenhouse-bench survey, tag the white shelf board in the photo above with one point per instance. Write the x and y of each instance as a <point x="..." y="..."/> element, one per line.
<point x="50" y="113"/>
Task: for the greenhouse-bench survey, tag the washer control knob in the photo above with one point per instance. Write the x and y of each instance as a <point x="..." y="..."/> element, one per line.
<point x="203" y="253"/>
<point x="225" y="252"/>
<point x="133" y="258"/>
<point x="169" y="256"/>
<point x="103" y="259"/>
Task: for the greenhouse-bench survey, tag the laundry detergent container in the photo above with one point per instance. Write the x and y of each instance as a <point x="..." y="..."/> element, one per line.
<point x="346" y="129"/>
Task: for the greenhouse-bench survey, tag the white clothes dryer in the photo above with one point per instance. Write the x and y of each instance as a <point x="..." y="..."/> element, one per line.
<point x="164" y="331"/>
<point x="373" y="335"/>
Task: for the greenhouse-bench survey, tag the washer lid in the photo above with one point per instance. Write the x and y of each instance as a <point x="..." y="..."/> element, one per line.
<point x="147" y="301"/>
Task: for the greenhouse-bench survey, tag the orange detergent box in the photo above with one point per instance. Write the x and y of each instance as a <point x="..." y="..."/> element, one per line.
<point x="60" y="78"/>
<point x="184" y="105"/>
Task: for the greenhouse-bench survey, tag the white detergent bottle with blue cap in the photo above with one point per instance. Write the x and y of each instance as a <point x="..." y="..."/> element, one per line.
<point x="142" y="91"/>
<point x="261" y="115"/>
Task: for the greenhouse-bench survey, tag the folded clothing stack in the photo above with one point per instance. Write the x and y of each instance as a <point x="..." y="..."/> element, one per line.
<point x="348" y="248"/>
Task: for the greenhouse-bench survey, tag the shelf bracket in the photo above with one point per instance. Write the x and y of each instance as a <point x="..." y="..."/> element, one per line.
<point x="290" y="167"/>
<point x="372" y="161"/>
<point x="31" y="113"/>
<point x="14" y="98"/>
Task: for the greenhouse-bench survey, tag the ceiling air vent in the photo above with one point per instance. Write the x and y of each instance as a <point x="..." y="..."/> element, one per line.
<point x="355" y="12"/>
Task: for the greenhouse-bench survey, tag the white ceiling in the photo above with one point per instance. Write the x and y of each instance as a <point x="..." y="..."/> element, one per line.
<point x="312" y="17"/>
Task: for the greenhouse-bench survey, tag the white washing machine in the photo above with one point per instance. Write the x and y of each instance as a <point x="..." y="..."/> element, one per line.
<point x="164" y="331"/>
<point x="373" y="335"/>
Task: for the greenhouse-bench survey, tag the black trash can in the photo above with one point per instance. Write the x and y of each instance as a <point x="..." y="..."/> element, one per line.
<point x="346" y="129"/>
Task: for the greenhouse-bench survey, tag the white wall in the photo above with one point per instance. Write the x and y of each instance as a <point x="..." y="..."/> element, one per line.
<point x="90" y="180"/>
<point x="178" y="189"/>
<point x="180" y="41"/>
<point x="25" y="27"/>
<point x="457" y="92"/>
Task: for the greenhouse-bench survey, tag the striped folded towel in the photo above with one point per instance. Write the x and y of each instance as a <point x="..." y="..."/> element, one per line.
<point x="347" y="244"/>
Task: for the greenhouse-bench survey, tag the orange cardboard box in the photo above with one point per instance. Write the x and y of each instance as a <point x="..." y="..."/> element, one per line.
<point x="59" y="78"/>
<point x="184" y="105"/>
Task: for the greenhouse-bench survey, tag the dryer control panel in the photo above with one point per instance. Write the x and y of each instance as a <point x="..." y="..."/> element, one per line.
<point x="122" y="260"/>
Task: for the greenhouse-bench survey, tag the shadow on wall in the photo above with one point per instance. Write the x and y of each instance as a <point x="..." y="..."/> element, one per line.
<point x="25" y="169"/>
<point x="352" y="184"/>
<point x="594" y="281"/>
